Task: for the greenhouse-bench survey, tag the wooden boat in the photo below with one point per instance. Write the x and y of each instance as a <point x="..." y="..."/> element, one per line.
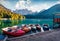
<point x="33" y="28"/>
<point x="19" y="32"/>
<point x="15" y="34"/>
<point x="45" y="27"/>
<point x="38" y="27"/>
<point x="26" y="29"/>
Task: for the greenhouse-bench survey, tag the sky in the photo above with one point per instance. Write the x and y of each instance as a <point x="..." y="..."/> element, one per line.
<point x="33" y="5"/>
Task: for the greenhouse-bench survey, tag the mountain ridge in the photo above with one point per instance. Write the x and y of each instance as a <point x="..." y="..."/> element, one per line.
<point x="46" y="14"/>
<point x="23" y="11"/>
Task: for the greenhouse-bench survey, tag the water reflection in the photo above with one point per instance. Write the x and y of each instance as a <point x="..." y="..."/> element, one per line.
<point x="7" y="23"/>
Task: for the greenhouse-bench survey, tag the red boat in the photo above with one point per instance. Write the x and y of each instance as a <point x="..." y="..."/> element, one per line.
<point x="15" y="34"/>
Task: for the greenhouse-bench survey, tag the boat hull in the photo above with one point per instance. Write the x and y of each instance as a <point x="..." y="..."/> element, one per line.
<point x="15" y="34"/>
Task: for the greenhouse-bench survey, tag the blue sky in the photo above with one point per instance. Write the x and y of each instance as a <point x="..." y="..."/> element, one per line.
<point x="34" y="5"/>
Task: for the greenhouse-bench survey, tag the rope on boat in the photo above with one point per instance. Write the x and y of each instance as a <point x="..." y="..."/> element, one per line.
<point x="5" y="38"/>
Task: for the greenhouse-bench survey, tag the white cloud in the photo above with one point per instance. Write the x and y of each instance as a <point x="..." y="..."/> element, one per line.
<point x="22" y="4"/>
<point x="27" y="5"/>
<point x="4" y="2"/>
<point x="38" y="8"/>
<point x="58" y="2"/>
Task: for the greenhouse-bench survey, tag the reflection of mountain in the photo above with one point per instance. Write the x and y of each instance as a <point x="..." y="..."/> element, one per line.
<point x="46" y="13"/>
<point x="23" y="11"/>
<point x="6" y="13"/>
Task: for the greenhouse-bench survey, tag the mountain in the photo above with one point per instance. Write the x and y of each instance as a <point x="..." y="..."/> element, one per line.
<point x="6" y="13"/>
<point x="49" y="13"/>
<point x="23" y="11"/>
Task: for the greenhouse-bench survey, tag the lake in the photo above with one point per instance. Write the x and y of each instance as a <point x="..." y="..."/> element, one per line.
<point x="7" y="23"/>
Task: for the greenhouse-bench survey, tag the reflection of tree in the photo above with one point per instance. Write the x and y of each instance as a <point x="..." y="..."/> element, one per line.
<point x="15" y="22"/>
<point x="1" y="24"/>
<point x="8" y="23"/>
<point x="11" y="22"/>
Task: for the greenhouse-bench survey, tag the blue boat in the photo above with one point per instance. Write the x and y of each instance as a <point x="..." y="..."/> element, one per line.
<point x="45" y="27"/>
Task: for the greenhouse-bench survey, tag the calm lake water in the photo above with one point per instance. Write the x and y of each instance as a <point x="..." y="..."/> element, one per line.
<point x="7" y="23"/>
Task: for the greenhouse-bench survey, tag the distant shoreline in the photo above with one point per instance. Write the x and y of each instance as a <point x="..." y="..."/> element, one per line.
<point x="9" y="19"/>
<point x="3" y="18"/>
